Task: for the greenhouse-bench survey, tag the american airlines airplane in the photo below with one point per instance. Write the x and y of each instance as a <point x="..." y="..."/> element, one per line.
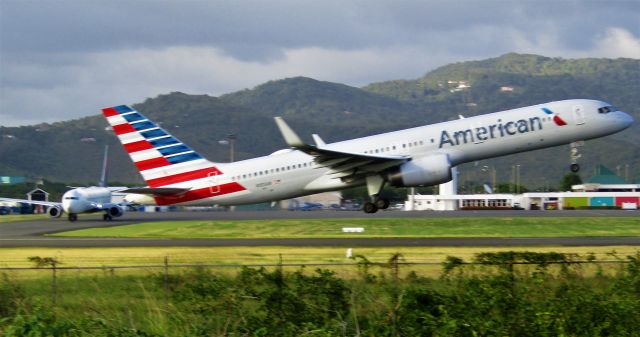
<point x="421" y="156"/>
<point x="83" y="200"/>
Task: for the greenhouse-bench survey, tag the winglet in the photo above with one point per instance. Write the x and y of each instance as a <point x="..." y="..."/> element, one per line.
<point x="289" y="135"/>
<point x="318" y="140"/>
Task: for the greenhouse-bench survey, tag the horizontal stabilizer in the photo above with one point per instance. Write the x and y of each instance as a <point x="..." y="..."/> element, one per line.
<point x="164" y="191"/>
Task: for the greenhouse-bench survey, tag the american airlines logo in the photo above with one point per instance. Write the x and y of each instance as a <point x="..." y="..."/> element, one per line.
<point x="497" y="130"/>
<point x="556" y="119"/>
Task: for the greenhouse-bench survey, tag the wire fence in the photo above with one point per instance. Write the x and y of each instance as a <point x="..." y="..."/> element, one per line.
<point x="300" y="265"/>
<point x="66" y="279"/>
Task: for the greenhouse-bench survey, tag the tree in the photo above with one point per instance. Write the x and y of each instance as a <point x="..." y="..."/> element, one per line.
<point x="569" y="180"/>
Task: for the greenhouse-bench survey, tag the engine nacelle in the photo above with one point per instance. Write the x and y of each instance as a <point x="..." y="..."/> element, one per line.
<point x="140" y="199"/>
<point x="115" y="211"/>
<point x="430" y="170"/>
<point x="55" y="211"/>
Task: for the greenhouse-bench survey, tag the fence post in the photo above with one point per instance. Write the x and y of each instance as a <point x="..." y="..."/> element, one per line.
<point x="166" y="280"/>
<point x="54" y="284"/>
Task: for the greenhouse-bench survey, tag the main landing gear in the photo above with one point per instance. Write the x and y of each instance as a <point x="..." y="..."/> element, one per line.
<point x="107" y="217"/>
<point x="374" y="187"/>
<point x="372" y="207"/>
<point x="73" y="217"/>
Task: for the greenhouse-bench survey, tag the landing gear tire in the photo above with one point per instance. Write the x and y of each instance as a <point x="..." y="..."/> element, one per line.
<point x="73" y="217"/>
<point x="369" y="207"/>
<point x="574" y="168"/>
<point x="382" y="203"/>
<point x="107" y="217"/>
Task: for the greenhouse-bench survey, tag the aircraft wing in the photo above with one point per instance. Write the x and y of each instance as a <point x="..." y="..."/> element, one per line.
<point x="34" y="202"/>
<point x="159" y="191"/>
<point x="342" y="164"/>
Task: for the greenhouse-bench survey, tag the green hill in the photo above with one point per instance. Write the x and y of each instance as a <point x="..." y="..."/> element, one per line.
<point x="72" y="151"/>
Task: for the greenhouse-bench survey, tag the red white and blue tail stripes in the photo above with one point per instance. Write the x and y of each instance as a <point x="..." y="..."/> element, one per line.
<point x="149" y="146"/>
<point x="163" y="160"/>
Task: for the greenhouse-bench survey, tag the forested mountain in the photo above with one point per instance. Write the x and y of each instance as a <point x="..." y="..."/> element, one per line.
<point x="71" y="151"/>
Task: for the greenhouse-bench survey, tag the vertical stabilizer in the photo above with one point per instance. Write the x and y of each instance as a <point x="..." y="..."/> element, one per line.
<point x="162" y="159"/>
<point x="103" y="176"/>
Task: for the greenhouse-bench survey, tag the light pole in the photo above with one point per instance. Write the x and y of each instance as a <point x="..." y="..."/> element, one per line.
<point x="512" y="188"/>
<point x="231" y="141"/>
<point x="232" y="147"/>
<point x="491" y="170"/>
<point x="518" y="179"/>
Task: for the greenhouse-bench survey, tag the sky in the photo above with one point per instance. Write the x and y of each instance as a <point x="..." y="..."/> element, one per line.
<point x="67" y="59"/>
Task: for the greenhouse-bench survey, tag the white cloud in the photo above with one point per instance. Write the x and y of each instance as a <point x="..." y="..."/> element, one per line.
<point x="130" y="76"/>
<point x="78" y="85"/>
<point x="618" y="42"/>
<point x="53" y="68"/>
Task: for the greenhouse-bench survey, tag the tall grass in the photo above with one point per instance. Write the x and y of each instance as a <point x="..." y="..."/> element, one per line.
<point x="496" y="296"/>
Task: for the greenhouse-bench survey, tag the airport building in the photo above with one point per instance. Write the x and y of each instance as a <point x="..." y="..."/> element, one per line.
<point x="604" y="190"/>
<point x="527" y="201"/>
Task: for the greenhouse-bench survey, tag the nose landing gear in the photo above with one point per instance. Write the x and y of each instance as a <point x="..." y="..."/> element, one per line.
<point x="575" y="155"/>
<point x="574" y="168"/>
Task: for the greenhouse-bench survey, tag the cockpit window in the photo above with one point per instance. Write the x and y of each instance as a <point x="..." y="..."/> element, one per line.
<point x="607" y="109"/>
<point x="71" y="198"/>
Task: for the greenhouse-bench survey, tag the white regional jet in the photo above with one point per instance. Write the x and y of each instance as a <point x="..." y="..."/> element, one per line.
<point x="83" y="200"/>
<point x="421" y="156"/>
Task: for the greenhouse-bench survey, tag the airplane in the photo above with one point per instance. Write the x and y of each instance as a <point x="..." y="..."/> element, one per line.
<point x="83" y="199"/>
<point x="420" y="156"/>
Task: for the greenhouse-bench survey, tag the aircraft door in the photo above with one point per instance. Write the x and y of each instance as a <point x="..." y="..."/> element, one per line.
<point x="214" y="187"/>
<point x="578" y="114"/>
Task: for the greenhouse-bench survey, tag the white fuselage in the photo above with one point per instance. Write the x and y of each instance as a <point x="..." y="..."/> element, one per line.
<point x="85" y="199"/>
<point x="291" y="173"/>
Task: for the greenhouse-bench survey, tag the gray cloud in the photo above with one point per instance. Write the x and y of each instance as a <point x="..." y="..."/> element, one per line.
<point x="66" y="59"/>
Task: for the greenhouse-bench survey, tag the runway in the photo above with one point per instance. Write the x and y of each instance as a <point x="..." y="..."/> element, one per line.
<point x="33" y="233"/>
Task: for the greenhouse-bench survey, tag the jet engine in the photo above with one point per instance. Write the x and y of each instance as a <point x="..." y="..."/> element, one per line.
<point x="429" y="170"/>
<point x="115" y="211"/>
<point x="139" y="199"/>
<point x="55" y="211"/>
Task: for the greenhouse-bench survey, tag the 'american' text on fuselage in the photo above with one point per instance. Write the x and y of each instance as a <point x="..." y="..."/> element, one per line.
<point x="482" y="133"/>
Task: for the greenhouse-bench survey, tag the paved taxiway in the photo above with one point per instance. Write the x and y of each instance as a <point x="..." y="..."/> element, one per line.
<point x="32" y="233"/>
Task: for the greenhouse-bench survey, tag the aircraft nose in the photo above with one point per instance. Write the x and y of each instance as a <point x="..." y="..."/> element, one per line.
<point x="625" y="119"/>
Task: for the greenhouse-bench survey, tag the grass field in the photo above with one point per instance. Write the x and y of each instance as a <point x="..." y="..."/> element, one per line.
<point x="21" y="217"/>
<point x="332" y="228"/>
<point x="88" y="257"/>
